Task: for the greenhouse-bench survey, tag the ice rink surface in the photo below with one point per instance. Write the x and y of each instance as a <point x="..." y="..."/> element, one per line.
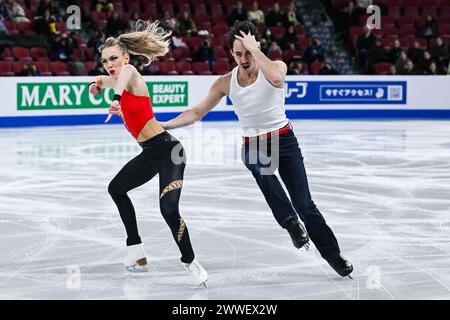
<point x="383" y="187"/>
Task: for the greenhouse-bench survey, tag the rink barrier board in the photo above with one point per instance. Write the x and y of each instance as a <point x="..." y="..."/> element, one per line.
<point x="96" y="119"/>
<point x="52" y="101"/>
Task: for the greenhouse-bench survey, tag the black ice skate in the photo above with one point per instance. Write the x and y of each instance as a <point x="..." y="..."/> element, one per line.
<point x="298" y="234"/>
<point x="341" y="265"/>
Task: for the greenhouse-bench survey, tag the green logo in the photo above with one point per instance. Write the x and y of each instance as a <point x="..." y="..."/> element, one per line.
<point x="75" y="95"/>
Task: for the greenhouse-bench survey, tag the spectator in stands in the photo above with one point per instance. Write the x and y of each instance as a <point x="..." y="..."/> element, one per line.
<point x="43" y="6"/>
<point x="424" y="64"/>
<point x="432" y="70"/>
<point x="169" y="22"/>
<point x="255" y="15"/>
<point x="16" y="11"/>
<point x="327" y="70"/>
<point x="361" y="6"/>
<point x="400" y="64"/>
<point x="289" y="39"/>
<point x="275" y="17"/>
<point x="45" y="25"/>
<point x="206" y="51"/>
<point x="440" y="53"/>
<point x="392" y="70"/>
<point x="377" y="53"/>
<point x="290" y="17"/>
<point x="4" y="11"/>
<point x="95" y="42"/>
<point x="116" y="25"/>
<point x="296" y="68"/>
<point x="364" y="43"/>
<point x="133" y="19"/>
<point x="415" y="53"/>
<point x="394" y="53"/>
<point x="98" y="70"/>
<point x="3" y="29"/>
<point x="103" y="5"/>
<point x="429" y="29"/>
<point x="187" y="25"/>
<point x="238" y="13"/>
<point x="62" y="48"/>
<point x="316" y="51"/>
<point x="274" y="47"/>
<point x="29" y="70"/>
<point x="349" y="17"/>
<point x="410" y="69"/>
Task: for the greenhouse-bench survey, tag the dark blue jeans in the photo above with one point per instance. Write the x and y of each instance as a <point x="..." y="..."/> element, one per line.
<point x="288" y="160"/>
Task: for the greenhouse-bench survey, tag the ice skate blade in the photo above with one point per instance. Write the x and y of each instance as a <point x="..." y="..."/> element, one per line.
<point x="350" y="277"/>
<point x="306" y="246"/>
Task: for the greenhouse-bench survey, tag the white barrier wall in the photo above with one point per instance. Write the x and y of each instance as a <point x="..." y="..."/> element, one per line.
<point x="45" y="98"/>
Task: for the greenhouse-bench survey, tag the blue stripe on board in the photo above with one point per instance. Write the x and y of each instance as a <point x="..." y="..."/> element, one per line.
<point x="230" y="115"/>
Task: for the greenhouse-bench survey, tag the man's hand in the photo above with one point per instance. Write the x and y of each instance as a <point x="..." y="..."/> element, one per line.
<point x="249" y="41"/>
<point x="114" y="108"/>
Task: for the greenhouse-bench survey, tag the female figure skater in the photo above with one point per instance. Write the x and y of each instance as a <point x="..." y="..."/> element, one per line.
<point x="161" y="153"/>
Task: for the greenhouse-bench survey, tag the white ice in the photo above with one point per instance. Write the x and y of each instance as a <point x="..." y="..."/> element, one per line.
<point x="383" y="187"/>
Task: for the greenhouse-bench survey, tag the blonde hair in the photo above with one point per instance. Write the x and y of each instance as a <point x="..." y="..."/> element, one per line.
<point x="146" y="39"/>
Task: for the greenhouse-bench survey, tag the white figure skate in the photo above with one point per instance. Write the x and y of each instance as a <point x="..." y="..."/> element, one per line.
<point x="136" y="260"/>
<point x="197" y="272"/>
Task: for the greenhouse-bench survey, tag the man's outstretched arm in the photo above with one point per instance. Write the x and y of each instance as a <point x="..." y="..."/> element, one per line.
<point x="188" y="117"/>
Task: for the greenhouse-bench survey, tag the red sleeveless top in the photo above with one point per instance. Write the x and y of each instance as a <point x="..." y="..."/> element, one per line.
<point x="136" y="111"/>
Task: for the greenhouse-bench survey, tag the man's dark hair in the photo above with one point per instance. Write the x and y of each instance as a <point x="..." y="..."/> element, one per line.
<point x="239" y="26"/>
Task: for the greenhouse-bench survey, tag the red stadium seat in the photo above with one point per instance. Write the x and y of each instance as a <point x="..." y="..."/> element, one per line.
<point x="180" y="53"/>
<point x="201" y="18"/>
<point x="277" y="32"/>
<point x="200" y="9"/>
<point x="90" y="65"/>
<point x="21" y="53"/>
<point x="59" y="68"/>
<point x="411" y="11"/>
<point x="394" y="12"/>
<point x="444" y="29"/>
<point x="216" y="10"/>
<point x="25" y="28"/>
<point x="221" y="54"/>
<point x="430" y="3"/>
<point x="167" y="67"/>
<point x="18" y="66"/>
<point x="429" y="10"/>
<point x="195" y="42"/>
<point x="151" y="8"/>
<point x="407" y="31"/>
<point x="5" y="68"/>
<point x="288" y="55"/>
<point x="197" y="2"/>
<point x="6" y="55"/>
<point x="39" y="53"/>
<point x="382" y="68"/>
<point x="220" y="67"/>
<point x="184" y="67"/>
<point x="167" y="7"/>
<point x="221" y="28"/>
<point x="78" y="54"/>
<point x="412" y="3"/>
<point x="315" y="67"/>
<point x="274" y="55"/>
<point x="183" y="7"/>
<point x="42" y="66"/>
<point x="201" y="68"/>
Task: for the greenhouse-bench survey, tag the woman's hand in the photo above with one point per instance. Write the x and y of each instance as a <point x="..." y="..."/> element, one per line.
<point x="114" y="108"/>
<point x="96" y="87"/>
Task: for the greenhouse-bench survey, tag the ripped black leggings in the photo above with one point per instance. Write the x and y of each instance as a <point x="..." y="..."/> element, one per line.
<point x="161" y="154"/>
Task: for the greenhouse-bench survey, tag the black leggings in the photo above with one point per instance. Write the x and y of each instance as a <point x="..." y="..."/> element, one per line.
<point x="161" y="154"/>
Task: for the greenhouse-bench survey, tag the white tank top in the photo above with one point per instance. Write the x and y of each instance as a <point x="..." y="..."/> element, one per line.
<point x="259" y="106"/>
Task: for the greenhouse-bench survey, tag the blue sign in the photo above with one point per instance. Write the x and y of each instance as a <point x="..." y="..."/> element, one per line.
<point x="344" y="92"/>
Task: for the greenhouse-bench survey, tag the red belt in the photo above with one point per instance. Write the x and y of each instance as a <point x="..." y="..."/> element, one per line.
<point x="268" y="135"/>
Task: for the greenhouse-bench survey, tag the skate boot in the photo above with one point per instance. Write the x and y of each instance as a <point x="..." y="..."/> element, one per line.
<point x="298" y="234"/>
<point x="197" y="272"/>
<point x="135" y="260"/>
<point x="341" y="265"/>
